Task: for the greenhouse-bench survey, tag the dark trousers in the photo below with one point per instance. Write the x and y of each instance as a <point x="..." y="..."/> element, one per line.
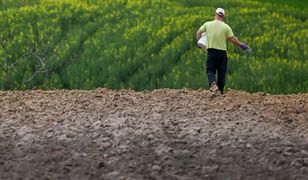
<point x="217" y="60"/>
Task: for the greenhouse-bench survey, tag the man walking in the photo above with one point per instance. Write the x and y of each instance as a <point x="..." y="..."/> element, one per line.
<point x="217" y="32"/>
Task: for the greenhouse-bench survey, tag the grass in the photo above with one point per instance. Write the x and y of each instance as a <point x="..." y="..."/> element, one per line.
<point x="301" y="4"/>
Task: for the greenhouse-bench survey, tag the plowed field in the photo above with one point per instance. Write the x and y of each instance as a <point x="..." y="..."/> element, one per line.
<point x="161" y="134"/>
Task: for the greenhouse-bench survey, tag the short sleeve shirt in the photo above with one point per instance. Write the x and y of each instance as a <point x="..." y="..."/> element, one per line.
<point x="217" y="32"/>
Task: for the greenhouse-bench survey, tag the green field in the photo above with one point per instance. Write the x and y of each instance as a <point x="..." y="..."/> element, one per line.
<point x="149" y="44"/>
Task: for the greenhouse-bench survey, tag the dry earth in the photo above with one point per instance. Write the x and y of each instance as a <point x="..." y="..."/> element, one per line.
<point x="162" y="134"/>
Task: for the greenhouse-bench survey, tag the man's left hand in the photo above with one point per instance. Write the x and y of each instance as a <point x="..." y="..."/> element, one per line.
<point x="244" y="47"/>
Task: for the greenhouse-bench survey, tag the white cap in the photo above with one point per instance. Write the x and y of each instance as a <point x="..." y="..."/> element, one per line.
<point x="220" y="11"/>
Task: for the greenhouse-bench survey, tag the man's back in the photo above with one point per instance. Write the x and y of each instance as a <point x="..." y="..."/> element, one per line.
<point x="217" y="33"/>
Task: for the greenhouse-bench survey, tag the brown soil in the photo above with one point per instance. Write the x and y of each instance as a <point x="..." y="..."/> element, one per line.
<point x="162" y="134"/>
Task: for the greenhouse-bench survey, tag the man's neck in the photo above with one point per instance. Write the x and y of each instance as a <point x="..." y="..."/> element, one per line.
<point x="218" y="18"/>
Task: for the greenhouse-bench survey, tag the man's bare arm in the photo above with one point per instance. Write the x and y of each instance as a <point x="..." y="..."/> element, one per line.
<point x="235" y="41"/>
<point x="198" y="34"/>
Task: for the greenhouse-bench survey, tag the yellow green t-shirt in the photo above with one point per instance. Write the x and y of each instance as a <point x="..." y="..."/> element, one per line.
<point x="217" y="32"/>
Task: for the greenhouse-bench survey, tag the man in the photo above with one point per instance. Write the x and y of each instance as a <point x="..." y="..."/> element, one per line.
<point x="217" y="32"/>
